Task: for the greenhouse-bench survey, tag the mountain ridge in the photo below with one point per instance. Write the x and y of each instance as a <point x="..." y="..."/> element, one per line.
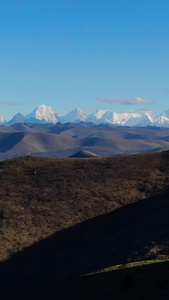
<point x="45" y="114"/>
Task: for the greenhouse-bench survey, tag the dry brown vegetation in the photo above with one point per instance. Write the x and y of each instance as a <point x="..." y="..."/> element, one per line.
<point x="65" y="217"/>
<point x="39" y="197"/>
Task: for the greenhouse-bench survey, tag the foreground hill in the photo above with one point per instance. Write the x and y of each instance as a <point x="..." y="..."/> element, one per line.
<point x="133" y="232"/>
<point x="138" y="280"/>
<point x="78" y="215"/>
<point x="40" y="196"/>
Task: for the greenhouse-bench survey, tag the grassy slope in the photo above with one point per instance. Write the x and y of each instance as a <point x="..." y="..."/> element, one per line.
<point x="41" y="196"/>
<point x="135" y="231"/>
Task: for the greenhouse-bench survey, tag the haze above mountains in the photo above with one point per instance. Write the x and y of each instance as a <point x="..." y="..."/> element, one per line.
<point x="45" y="114"/>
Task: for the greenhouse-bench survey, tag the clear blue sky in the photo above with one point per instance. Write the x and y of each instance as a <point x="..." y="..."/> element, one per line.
<point x="107" y="54"/>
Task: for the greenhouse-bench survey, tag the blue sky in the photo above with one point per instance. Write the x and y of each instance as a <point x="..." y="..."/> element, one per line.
<point x="111" y="54"/>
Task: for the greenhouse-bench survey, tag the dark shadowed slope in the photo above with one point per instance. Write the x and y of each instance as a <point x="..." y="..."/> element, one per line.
<point x="9" y="140"/>
<point x="134" y="232"/>
<point x="24" y="142"/>
<point x="137" y="280"/>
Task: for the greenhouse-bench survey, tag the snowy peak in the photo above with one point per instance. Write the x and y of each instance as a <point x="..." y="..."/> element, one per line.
<point x="125" y="118"/>
<point x="98" y="116"/>
<point x="163" y="119"/>
<point x="166" y="113"/>
<point x="43" y="113"/>
<point x="100" y="113"/>
<point x="76" y="115"/>
<point x="122" y="119"/>
<point x="2" y="119"/>
<point x="133" y="119"/>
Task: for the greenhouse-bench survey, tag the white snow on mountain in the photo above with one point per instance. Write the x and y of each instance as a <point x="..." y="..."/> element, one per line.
<point x="122" y="119"/>
<point x="43" y="113"/>
<point x="133" y="119"/>
<point x="162" y="119"/>
<point x="2" y="119"/>
<point x="76" y="115"/>
<point x="98" y="116"/>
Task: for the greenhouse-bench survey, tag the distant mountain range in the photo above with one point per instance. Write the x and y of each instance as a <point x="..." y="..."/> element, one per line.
<point x="45" y="114"/>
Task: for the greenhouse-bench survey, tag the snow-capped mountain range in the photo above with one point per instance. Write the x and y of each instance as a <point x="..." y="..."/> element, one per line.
<point x="45" y="114"/>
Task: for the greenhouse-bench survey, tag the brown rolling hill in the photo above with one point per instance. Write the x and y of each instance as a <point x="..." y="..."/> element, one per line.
<point x="84" y="154"/>
<point x="65" y="217"/>
<point x="64" y="140"/>
<point x="24" y="142"/>
<point x="39" y="196"/>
